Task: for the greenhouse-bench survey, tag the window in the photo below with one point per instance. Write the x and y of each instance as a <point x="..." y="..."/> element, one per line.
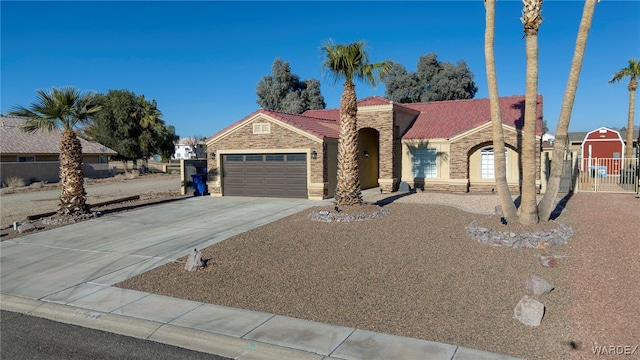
<point x="103" y="159"/>
<point x="253" y="157"/>
<point x="425" y="164"/>
<point x="296" y="157"/>
<point x="275" y="157"/>
<point x="234" y="157"/>
<point x="261" y="128"/>
<point x="486" y="163"/>
<point x="26" y="158"/>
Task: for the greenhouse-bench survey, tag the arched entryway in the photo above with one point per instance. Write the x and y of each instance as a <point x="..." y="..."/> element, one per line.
<point x="368" y="157"/>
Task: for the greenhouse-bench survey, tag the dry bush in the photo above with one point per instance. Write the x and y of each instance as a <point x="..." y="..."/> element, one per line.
<point x="14" y="181"/>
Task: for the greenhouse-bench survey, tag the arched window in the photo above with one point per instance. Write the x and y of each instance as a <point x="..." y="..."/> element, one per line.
<point x="486" y="163"/>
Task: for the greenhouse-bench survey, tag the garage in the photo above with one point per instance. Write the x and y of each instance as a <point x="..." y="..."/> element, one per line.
<point x="265" y="175"/>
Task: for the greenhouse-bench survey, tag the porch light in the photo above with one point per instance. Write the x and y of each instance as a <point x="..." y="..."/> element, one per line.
<point x="212" y="156"/>
<point x="314" y="155"/>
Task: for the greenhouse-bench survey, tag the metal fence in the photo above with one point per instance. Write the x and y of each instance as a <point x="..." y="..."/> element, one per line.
<point x="608" y="175"/>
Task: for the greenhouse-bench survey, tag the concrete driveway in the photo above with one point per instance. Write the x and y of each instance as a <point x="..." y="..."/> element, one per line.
<point x="111" y="249"/>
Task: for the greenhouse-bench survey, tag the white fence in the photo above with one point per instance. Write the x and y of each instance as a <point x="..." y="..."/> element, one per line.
<point x="608" y="175"/>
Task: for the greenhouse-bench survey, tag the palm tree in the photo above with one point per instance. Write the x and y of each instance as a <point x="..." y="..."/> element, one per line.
<point x="150" y="119"/>
<point x="633" y="72"/>
<point x="500" y="170"/>
<point x="65" y="108"/>
<point x="350" y="62"/>
<point x="548" y="202"/>
<point x="531" y="18"/>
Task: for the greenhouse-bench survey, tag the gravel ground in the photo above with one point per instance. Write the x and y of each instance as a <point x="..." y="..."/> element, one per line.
<point x="415" y="273"/>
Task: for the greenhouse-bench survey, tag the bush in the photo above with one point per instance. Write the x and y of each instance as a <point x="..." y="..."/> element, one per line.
<point x="14" y="181"/>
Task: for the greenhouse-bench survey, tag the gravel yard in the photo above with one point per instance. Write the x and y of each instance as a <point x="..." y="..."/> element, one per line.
<point x="416" y="273"/>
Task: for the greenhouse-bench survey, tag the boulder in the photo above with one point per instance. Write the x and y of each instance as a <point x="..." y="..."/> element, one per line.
<point x="537" y="285"/>
<point x="529" y="311"/>
<point x="26" y="227"/>
<point x="194" y="261"/>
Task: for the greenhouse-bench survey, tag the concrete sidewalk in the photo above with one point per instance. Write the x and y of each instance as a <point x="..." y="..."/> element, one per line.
<point x="67" y="275"/>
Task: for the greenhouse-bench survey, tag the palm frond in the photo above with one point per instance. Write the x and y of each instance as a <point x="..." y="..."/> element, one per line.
<point x="632" y="71"/>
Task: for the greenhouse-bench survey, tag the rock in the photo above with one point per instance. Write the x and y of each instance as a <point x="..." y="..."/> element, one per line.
<point x="537" y="285"/>
<point x="194" y="261"/>
<point x="547" y="260"/>
<point x="498" y="210"/>
<point x="26" y="227"/>
<point x="529" y="311"/>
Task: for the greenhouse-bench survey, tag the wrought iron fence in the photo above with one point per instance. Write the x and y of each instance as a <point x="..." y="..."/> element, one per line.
<point x="618" y="175"/>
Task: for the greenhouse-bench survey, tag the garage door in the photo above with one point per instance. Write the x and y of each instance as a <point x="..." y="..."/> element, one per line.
<point x="271" y="175"/>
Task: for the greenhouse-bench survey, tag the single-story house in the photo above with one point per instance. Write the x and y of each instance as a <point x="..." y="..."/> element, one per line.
<point x="189" y="148"/>
<point x="444" y="145"/>
<point x="36" y="156"/>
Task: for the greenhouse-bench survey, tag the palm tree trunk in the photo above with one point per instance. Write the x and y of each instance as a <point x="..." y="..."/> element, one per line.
<point x="548" y="202"/>
<point x="348" y="190"/>
<point x="633" y="85"/>
<point x="528" y="212"/>
<point x="500" y="170"/>
<point x="73" y="199"/>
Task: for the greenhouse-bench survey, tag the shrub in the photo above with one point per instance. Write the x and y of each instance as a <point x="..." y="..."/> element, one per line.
<point x="14" y="181"/>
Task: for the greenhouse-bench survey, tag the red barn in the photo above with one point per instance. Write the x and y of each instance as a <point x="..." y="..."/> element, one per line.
<point x="602" y="151"/>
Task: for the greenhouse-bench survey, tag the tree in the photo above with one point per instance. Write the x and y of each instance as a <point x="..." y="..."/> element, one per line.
<point x="500" y="169"/>
<point x="548" y="202"/>
<point x="632" y="72"/>
<point x="433" y="81"/>
<point x="350" y="62"/>
<point x="132" y="126"/>
<point x="284" y="91"/>
<point x="531" y="19"/>
<point x="69" y="109"/>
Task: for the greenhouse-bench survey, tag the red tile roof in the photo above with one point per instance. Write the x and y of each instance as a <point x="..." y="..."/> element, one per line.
<point x="446" y="119"/>
<point x="438" y="119"/>
<point x="315" y="125"/>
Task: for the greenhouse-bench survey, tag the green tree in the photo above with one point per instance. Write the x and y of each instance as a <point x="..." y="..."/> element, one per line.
<point x="284" y="91"/>
<point x="432" y="81"/>
<point x="69" y="109"/>
<point x="500" y="168"/>
<point x="632" y="72"/>
<point x="350" y="62"/>
<point x="548" y="202"/>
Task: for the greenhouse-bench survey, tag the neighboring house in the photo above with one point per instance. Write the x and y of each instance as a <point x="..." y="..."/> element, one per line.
<point x="36" y="156"/>
<point x="189" y="148"/>
<point x="445" y="145"/>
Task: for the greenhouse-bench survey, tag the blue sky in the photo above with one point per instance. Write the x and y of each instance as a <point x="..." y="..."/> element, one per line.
<point x="201" y="60"/>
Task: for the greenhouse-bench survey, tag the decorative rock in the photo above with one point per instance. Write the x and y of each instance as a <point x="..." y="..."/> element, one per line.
<point x="540" y="239"/>
<point x="529" y="311"/>
<point x="26" y="227"/>
<point x="340" y="217"/>
<point x="537" y="285"/>
<point x="194" y="261"/>
<point x="547" y="260"/>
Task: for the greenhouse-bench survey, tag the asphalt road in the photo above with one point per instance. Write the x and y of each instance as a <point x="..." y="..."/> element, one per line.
<point x="29" y="337"/>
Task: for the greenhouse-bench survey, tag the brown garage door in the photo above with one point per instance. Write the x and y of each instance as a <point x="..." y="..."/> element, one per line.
<point x="271" y="175"/>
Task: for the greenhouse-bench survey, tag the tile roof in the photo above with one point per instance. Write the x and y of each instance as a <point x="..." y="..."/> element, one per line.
<point x="446" y="119"/>
<point x="13" y="140"/>
<point x="373" y="101"/>
<point x="321" y="126"/>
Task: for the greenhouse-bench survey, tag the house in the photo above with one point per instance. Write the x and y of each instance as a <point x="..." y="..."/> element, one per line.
<point x="36" y="156"/>
<point x="445" y="145"/>
<point x="189" y="148"/>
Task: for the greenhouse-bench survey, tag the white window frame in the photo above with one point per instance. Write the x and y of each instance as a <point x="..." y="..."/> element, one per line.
<point x="425" y="160"/>
<point x="487" y="168"/>
<point x="262" y="128"/>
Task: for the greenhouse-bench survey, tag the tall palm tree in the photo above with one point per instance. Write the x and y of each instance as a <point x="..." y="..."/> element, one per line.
<point x="500" y="169"/>
<point x="531" y="19"/>
<point x="350" y="62"/>
<point x="633" y="72"/>
<point x="548" y="202"/>
<point x="150" y="119"/>
<point x="65" y="108"/>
